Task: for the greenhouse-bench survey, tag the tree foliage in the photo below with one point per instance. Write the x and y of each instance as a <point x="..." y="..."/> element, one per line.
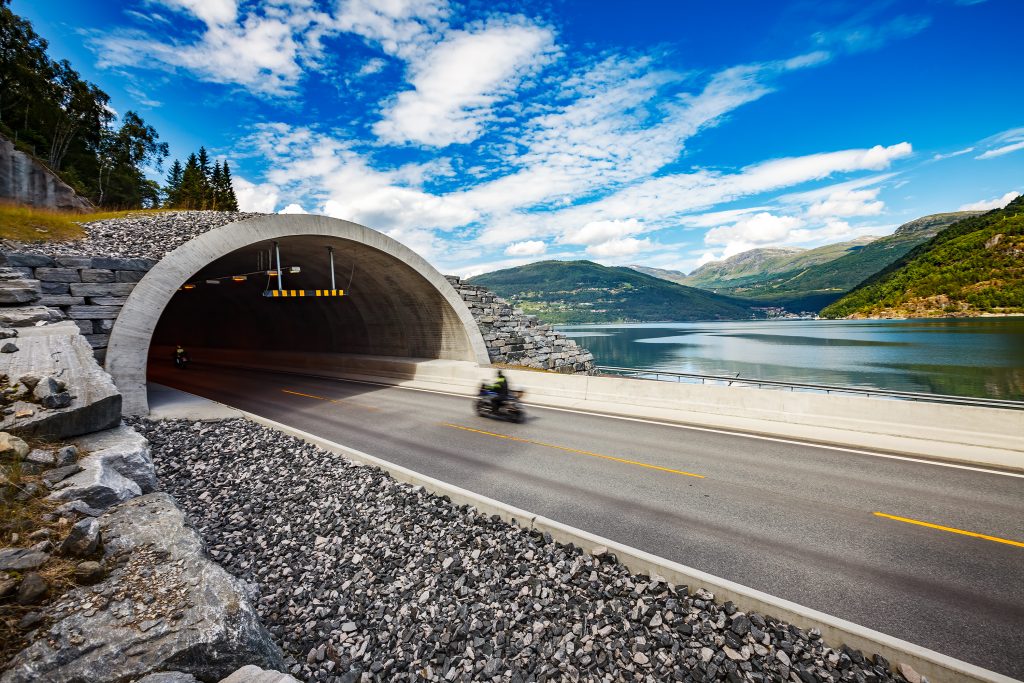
<point x="975" y="266"/>
<point x="50" y="112"/>
<point x="198" y="186"/>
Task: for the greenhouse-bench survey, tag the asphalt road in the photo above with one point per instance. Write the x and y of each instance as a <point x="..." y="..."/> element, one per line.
<point x="794" y="520"/>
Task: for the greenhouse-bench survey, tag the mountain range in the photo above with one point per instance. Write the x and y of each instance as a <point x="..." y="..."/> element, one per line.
<point x="584" y="291"/>
<point x="974" y="267"/>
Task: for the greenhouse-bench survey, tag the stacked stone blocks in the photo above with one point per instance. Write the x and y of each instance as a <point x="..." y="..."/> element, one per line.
<point x="89" y="290"/>
<point x="514" y="338"/>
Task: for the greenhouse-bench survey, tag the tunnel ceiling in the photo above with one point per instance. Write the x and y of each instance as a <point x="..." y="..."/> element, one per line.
<point x="388" y="308"/>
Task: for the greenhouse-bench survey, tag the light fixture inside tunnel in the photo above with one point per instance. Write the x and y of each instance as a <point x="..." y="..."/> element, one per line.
<point x="239" y="278"/>
<point x="188" y="285"/>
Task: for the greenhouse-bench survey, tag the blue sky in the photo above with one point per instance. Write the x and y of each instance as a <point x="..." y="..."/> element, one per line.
<point x="489" y="133"/>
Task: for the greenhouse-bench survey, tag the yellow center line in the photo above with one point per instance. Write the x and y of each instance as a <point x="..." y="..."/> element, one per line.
<point x="950" y="529"/>
<point x="573" y="450"/>
<point x="329" y="400"/>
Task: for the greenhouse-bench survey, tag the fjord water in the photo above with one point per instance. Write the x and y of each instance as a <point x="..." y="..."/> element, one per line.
<point x="966" y="357"/>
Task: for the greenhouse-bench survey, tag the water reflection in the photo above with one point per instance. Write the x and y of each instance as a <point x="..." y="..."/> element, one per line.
<point x="969" y="357"/>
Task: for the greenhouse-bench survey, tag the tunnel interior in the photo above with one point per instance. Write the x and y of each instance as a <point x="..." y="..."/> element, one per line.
<point x="388" y="308"/>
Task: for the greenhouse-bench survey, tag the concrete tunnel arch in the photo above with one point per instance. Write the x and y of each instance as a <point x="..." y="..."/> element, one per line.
<point x="404" y="308"/>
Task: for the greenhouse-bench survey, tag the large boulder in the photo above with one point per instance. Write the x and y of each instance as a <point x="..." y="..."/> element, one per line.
<point x="117" y="468"/>
<point x="170" y="609"/>
<point x="50" y="356"/>
<point x="26" y="316"/>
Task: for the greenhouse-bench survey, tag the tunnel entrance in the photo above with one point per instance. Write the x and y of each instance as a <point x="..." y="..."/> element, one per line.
<point x="210" y="296"/>
<point x="376" y="306"/>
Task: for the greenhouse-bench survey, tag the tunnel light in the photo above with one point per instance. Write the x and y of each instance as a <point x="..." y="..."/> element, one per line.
<point x="213" y="282"/>
<point x="272" y="273"/>
<point x="294" y="269"/>
<point x="238" y="278"/>
<point x="188" y="286"/>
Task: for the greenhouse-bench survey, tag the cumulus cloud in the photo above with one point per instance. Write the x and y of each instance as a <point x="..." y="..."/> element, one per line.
<point x="457" y="84"/>
<point x="402" y="28"/>
<point x="527" y="248"/>
<point x="760" y="228"/>
<point x="259" y="198"/>
<point x="627" y="246"/>
<point x="989" y="204"/>
<point x="598" y="232"/>
<point x="293" y="208"/>
<point x="848" y="203"/>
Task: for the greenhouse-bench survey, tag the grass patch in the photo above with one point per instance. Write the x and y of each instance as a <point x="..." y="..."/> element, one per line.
<point x="29" y="224"/>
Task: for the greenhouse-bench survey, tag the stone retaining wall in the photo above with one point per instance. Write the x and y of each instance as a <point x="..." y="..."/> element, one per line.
<point x="89" y="290"/>
<point x="514" y="338"/>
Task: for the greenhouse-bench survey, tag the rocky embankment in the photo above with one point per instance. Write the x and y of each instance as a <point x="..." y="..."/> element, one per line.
<point x="362" y="578"/>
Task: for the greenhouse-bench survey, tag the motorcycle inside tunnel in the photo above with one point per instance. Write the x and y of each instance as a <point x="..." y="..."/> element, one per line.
<point x="237" y="311"/>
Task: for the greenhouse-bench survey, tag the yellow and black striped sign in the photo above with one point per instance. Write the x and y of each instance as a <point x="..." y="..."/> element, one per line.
<point x="276" y="293"/>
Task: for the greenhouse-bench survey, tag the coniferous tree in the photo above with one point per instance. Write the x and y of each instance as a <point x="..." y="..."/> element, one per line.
<point x="172" y="191"/>
<point x="230" y="202"/>
<point x="192" y="184"/>
<point x="204" y="168"/>
<point x="216" y="192"/>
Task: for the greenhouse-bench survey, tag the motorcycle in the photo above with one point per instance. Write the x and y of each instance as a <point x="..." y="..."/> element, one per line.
<point x="508" y="409"/>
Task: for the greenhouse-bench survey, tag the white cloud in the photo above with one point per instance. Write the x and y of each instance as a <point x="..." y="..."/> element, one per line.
<point x="528" y="248"/>
<point x="403" y="28"/>
<point x="950" y="155"/>
<point x="457" y="84"/>
<point x="598" y="232"/>
<point x="848" y="203"/>
<point x="266" y="52"/>
<point x="1000" y="151"/>
<point x="1002" y="143"/>
<point x="761" y="228"/>
<point x="293" y="208"/>
<point x="627" y="246"/>
<point x="989" y="204"/>
<point x="259" y="198"/>
<point x="371" y="66"/>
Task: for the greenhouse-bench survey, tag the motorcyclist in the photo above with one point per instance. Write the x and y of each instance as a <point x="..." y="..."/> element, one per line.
<point x="500" y="389"/>
<point x="180" y="356"/>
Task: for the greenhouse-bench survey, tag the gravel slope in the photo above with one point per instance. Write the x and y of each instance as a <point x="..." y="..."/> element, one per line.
<point x="360" y="577"/>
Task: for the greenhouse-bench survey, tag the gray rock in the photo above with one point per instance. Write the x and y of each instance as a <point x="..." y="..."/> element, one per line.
<point x="201" y="625"/>
<point x="21" y="559"/>
<point x="58" y="275"/>
<point x="102" y="289"/>
<point x="30" y="380"/>
<point x="30" y="621"/>
<point x="60" y="351"/>
<point x="19" y="292"/>
<point x="59" y="474"/>
<point x="88" y="573"/>
<point x="29" y="260"/>
<point x="94" y="312"/>
<point x="8" y="587"/>
<point x="51" y="393"/>
<point x="97" y="275"/>
<point x="26" y="316"/>
<point x="33" y="589"/>
<point x="169" y="677"/>
<point x="77" y="507"/>
<point x="61" y="300"/>
<point x="40" y="457"/>
<point x="74" y="261"/>
<point x="9" y="347"/>
<point x="83" y="540"/>
<point x="66" y="455"/>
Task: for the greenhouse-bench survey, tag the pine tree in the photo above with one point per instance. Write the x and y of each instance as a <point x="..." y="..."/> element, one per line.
<point x="216" y="198"/>
<point x="204" y="167"/>
<point x="172" y="191"/>
<point x="230" y="202"/>
<point x="192" y="184"/>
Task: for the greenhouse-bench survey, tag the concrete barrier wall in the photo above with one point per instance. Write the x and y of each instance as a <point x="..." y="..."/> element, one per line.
<point x="964" y="434"/>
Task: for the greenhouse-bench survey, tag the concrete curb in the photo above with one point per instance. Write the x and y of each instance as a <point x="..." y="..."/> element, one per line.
<point x="938" y="668"/>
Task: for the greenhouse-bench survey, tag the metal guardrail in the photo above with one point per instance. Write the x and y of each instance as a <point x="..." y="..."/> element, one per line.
<point x="736" y="380"/>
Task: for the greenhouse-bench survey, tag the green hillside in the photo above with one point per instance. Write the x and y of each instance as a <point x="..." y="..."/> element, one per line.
<point x="583" y="291"/>
<point x="973" y="267"/>
<point x="760" y="265"/>
<point x="818" y="285"/>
